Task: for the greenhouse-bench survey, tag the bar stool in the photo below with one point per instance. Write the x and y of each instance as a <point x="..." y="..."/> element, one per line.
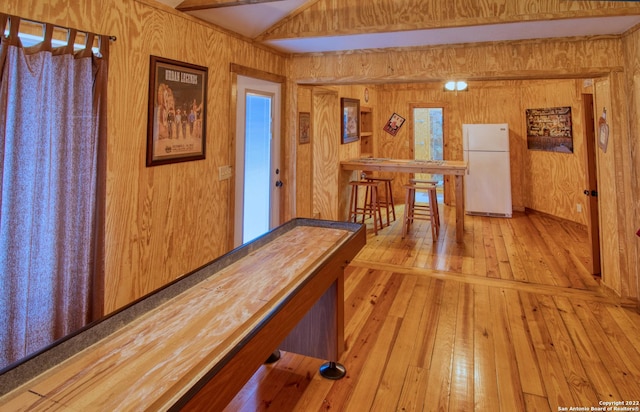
<point x="432" y="186"/>
<point x="385" y="202"/>
<point x="419" y="210"/>
<point x="369" y="209"/>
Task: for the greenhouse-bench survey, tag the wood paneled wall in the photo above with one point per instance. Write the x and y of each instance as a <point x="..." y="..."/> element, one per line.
<point x="163" y="221"/>
<point x="333" y="17"/>
<point x="505" y="79"/>
<point x="631" y="151"/>
<point x="608" y="201"/>
<point x="317" y="164"/>
<point x="554" y="182"/>
<point x="304" y="158"/>
<point x="539" y="59"/>
<point x="326" y="152"/>
<point x="548" y="182"/>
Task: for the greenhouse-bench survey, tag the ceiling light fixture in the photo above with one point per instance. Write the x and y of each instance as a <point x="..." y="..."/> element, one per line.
<point x="455" y="86"/>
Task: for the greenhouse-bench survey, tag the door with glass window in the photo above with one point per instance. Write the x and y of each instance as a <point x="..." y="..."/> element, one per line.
<point x="428" y="139"/>
<point x="257" y="181"/>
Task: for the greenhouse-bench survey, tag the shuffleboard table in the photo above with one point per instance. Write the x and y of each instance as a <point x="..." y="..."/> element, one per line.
<point x="193" y="344"/>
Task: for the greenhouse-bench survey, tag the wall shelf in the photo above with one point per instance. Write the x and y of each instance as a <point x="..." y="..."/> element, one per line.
<point x="366" y="132"/>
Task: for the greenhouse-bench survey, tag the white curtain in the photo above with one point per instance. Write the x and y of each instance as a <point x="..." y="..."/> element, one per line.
<point x="51" y="138"/>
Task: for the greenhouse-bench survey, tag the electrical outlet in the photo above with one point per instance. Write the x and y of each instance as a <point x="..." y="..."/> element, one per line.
<point x="224" y="172"/>
<point x="578" y="207"/>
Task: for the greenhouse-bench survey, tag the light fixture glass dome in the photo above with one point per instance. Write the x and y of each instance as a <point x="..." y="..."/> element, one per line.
<point x="453" y="85"/>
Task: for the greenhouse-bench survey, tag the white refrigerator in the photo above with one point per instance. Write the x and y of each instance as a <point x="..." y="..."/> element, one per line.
<point x="487" y="185"/>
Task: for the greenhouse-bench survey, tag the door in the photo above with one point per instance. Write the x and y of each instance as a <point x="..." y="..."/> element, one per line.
<point x="591" y="191"/>
<point x="428" y="139"/>
<point x="257" y="183"/>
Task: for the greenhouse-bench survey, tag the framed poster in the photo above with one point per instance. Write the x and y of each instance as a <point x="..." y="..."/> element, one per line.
<point x="176" y="128"/>
<point x="394" y="124"/>
<point x="304" y="124"/>
<point x="550" y="129"/>
<point x="350" y="120"/>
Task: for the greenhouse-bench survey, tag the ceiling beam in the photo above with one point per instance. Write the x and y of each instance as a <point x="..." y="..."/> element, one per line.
<point x="191" y="5"/>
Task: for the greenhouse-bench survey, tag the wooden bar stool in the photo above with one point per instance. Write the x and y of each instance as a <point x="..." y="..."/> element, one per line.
<point x="420" y="210"/>
<point x="385" y="202"/>
<point x="432" y="185"/>
<point x="368" y="209"/>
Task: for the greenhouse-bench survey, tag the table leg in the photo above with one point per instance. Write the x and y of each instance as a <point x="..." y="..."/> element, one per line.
<point x="459" y="209"/>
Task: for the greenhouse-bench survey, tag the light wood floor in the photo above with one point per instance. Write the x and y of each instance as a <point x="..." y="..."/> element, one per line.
<point x="508" y="321"/>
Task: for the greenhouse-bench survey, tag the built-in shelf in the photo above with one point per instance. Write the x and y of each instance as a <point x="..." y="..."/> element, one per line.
<point x="366" y="132"/>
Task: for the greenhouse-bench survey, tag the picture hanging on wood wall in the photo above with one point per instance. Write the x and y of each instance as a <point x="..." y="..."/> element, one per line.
<point x="550" y="129"/>
<point x="304" y="122"/>
<point x="394" y="124"/>
<point x="350" y="119"/>
<point x="176" y="130"/>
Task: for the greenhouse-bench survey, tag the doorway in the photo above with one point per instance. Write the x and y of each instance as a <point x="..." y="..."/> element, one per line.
<point x="257" y="158"/>
<point x="591" y="190"/>
<point x="428" y="140"/>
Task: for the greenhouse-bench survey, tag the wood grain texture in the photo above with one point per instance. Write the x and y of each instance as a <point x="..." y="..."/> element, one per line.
<point x="609" y="218"/>
<point x="304" y="158"/>
<point x="404" y="168"/>
<point x="517" y="75"/>
<point x="534" y="59"/>
<point x="161" y="222"/>
<point x="157" y="358"/>
<point x="323" y="18"/>
<point x="325" y="153"/>
<point x="540" y="180"/>
<point x="632" y="56"/>
<point x="625" y="184"/>
<point x="458" y="339"/>
<point x="165" y="221"/>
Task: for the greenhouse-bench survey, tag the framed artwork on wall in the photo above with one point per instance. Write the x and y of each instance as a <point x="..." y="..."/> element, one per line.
<point x="394" y="124"/>
<point x="176" y="125"/>
<point x="550" y="129"/>
<point x="350" y="120"/>
<point x="304" y="123"/>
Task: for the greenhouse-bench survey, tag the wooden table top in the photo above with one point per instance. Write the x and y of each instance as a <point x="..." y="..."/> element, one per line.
<point x="151" y="362"/>
<point x="451" y="167"/>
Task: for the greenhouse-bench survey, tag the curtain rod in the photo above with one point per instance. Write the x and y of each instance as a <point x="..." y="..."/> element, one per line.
<point x="111" y="38"/>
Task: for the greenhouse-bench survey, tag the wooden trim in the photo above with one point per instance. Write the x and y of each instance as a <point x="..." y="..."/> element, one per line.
<point x="233" y="104"/>
<point x="257" y="74"/>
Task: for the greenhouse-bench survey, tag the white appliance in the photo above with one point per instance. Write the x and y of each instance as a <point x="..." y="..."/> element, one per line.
<point x="487" y="184"/>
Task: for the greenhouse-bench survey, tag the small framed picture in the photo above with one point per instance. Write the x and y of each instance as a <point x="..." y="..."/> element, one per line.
<point x="394" y="124"/>
<point x="304" y="123"/>
<point x="350" y="120"/>
<point x="176" y="130"/>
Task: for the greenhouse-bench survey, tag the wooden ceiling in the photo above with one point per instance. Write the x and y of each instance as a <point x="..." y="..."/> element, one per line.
<point x="312" y="26"/>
